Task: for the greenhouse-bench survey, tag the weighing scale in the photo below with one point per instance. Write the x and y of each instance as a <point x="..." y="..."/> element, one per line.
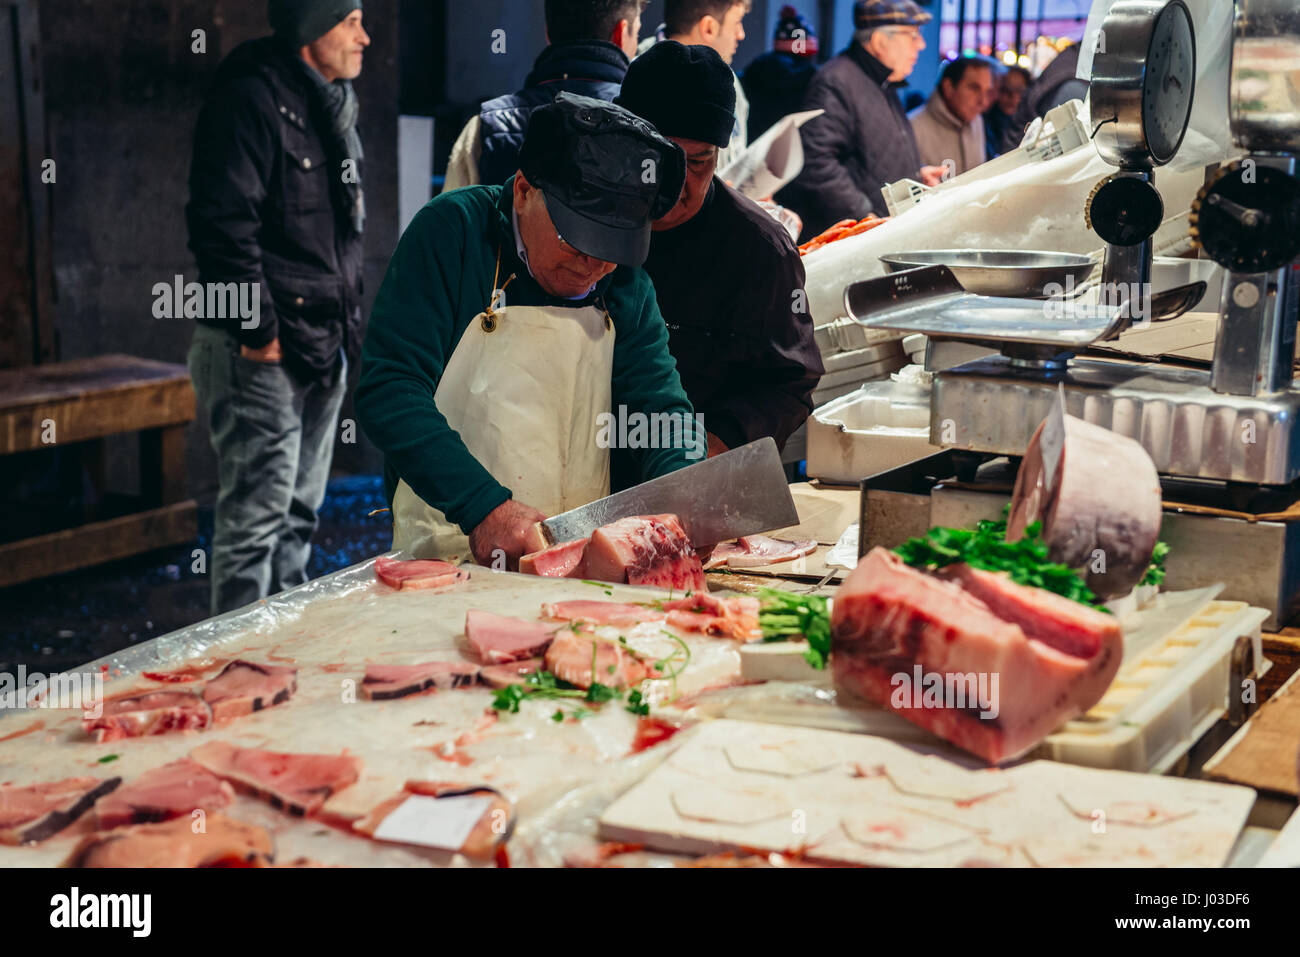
<point x="1234" y="423"/>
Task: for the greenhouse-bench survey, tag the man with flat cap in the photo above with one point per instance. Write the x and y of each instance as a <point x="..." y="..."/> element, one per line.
<point x="512" y="320"/>
<point x="727" y="276"/>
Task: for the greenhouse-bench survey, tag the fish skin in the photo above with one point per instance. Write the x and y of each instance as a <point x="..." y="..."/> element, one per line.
<point x="50" y="807"/>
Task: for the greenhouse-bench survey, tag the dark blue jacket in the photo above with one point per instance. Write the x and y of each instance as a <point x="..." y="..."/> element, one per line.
<point x="592" y="68"/>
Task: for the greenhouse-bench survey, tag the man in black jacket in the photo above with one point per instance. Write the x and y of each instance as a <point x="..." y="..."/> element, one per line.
<point x="864" y="139"/>
<point x="739" y="329"/>
<point x="776" y="81"/>
<point x="276" y="211"/>
<point x="591" y="42"/>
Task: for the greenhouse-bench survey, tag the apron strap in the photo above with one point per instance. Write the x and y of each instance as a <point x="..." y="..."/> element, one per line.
<point x="490" y="319"/>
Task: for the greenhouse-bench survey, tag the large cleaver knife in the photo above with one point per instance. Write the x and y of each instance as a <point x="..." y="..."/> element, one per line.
<point x="740" y="492"/>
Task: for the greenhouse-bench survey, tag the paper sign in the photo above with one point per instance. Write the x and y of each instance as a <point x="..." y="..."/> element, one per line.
<point x="772" y="160"/>
<point x="844" y="554"/>
<point x="443" y="823"/>
<point x="1052" y="442"/>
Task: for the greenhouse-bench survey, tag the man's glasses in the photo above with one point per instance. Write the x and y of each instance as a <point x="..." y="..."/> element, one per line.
<point x="911" y="34"/>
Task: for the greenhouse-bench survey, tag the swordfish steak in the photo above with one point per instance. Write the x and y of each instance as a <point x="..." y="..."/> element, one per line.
<point x="384" y="682"/>
<point x="223" y="842"/>
<point x="566" y="560"/>
<point x="498" y="639"/>
<point x="295" y="783"/>
<point x="154" y="712"/>
<point x="645" y="550"/>
<point x="173" y="790"/>
<point x="33" y="813"/>
<point x="418" y="573"/>
<point x="244" y="687"/>
<point x="1052" y="658"/>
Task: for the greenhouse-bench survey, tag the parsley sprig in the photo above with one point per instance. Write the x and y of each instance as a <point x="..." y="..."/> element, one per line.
<point x="784" y="615"/>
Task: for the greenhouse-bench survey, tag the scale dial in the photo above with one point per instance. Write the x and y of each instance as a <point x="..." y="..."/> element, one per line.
<point x="1124" y="210"/>
<point x="1247" y="219"/>
<point x="1143" y="82"/>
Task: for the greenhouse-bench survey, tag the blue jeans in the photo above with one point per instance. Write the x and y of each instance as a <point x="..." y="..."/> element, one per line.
<point x="274" y="439"/>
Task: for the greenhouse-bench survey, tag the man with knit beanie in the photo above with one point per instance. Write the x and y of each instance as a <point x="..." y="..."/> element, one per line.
<point x="776" y="81"/>
<point x="738" y="328"/>
<point x="715" y="24"/>
<point x="276" y="214"/>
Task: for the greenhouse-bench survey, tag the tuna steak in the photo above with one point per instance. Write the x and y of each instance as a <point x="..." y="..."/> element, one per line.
<point x="295" y="783"/>
<point x="173" y="790"/>
<point x="559" y="561"/>
<point x="646" y="550"/>
<point x="1104" y="500"/>
<point x="384" y="682"/>
<point x="33" y="813"/>
<point x="244" y="687"/>
<point x="497" y="639"/>
<point x="154" y="712"/>
<point x="571" y="657"/>
<point x="498" y="676"/>
<point x="223" y="842"/>
<point x="1052" y="658"/>
<point x="418" y="573"/>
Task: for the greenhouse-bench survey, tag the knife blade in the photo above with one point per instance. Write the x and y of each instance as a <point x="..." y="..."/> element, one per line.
<point x="740" y="492"/>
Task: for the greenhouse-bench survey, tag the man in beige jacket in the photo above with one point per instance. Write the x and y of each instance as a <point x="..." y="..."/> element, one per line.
<point x="950" y="127"/>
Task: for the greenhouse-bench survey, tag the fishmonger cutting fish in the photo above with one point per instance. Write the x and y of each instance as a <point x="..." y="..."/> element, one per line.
<point x="512" y="318"/>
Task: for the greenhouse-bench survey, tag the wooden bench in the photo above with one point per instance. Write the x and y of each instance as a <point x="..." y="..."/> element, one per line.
<point x="84" y="401"/>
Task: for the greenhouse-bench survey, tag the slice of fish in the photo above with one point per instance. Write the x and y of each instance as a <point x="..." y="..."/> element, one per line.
<point x="754" y="550"/>
<point x="721" y="617"/>
<point x="645" y="550"/>
<point x="154" y="712"/>
<point x="566" y="560"/>
<point x="418" y="573"/>
<point x="297" y="784"/>
<point x="600" y="612"/>
<point x="221" y="842"/>
<point x="384" y="682"/>
<point x="497" y="639"/>
<point x="570" y="658"/>
<point x="511" y="673"/>
<point x="34" y="812"/>
<point x="173" y="790"/>
<point x="245" y="686"/>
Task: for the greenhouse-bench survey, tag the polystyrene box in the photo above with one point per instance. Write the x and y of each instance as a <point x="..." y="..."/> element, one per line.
<point x="877" y="427"/>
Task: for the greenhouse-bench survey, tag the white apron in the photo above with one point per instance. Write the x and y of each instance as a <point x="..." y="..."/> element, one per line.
<point x="523" y="388"/>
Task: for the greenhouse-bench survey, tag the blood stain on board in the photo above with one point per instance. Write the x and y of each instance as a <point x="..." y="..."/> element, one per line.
<point x="651" y="731"/>
<point x="34" y="726"/>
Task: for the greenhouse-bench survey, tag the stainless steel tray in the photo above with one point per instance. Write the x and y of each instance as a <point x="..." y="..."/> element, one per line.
<point x="1014" y="273"/>
<point x="932" y="301"/>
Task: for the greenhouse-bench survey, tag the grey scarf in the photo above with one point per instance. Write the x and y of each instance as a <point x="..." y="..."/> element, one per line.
<point x="338" y="104"/>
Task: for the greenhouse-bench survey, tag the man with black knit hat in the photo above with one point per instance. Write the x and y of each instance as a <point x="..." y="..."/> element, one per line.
<point x="512" y="319"/>
<point x="740" y="329"/>
<point x="276" y="213"/>
<point x="589" y="45"/>
<point x="776" y="81"/>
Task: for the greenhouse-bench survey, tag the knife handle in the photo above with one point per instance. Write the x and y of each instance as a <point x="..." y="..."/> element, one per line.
<point x="537" y="539"/>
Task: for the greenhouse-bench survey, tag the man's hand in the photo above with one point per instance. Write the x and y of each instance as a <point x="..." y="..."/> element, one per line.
<point x="268" y="353"/>
<point x="932" y="175"/>
<point x="716" y="446"/>
<point x="508" y="527"/>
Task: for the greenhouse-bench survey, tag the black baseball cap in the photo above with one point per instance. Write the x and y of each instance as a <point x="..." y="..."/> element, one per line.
<point x="605" y="174"/>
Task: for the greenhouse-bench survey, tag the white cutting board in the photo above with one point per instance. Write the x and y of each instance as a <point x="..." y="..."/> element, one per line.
<point x="858" y="799"/>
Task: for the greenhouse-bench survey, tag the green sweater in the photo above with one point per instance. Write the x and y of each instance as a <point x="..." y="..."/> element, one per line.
<point x="438" y="281"/>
